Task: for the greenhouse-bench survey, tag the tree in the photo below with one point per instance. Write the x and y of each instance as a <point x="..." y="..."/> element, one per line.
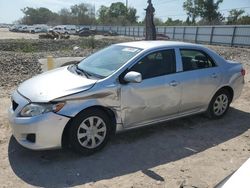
<point x="244" y="20"/>
<point x="117" y="9"/>
<point x="192" y="8"/>
<point x="207" y="10"/>
<point x="234" y="16"/>
<point x="171" y="22"/>
<point x="65" y="16"/>
<point x="37" y="16"/>
<point x="158" y="21"/>
<point x="131" y="15"/>
<point x="82" y="14"/>
<point x="117" y="14"/>
<point x="188" y="21"/>
<point x="103" y="13"/>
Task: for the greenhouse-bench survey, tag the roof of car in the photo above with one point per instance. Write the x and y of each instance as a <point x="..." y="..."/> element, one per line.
<point x="154" y="44"/>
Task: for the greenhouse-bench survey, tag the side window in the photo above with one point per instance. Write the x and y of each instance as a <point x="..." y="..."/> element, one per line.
<point x="156" y="64"/>
<point x="195" y="59"/>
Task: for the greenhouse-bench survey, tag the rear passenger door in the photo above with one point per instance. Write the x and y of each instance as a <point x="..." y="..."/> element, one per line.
<point x="199" y="79"/>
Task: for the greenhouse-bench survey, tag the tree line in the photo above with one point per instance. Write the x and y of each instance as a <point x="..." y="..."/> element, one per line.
<point x="199" y="12"/>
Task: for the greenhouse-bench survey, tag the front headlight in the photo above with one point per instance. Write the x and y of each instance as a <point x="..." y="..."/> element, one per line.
<point x="35" y="109"/>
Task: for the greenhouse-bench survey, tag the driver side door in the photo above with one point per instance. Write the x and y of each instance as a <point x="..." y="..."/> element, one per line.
<point x="159" y="93"/>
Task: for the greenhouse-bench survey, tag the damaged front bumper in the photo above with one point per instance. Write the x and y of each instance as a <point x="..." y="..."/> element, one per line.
<point x="39" y="132"/>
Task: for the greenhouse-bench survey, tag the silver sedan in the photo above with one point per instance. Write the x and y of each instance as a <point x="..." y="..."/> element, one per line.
<point x="121" y="87"/>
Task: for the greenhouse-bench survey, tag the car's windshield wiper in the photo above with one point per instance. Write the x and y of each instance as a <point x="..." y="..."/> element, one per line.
<point x="79" y="70"/>
<point x="88" y="74"/>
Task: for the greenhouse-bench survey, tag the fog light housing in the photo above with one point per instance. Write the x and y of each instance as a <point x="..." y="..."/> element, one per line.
<point x="31" y="138"/>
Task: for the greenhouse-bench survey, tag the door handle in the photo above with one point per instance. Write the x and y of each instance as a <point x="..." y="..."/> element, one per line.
<point x="214" y="75"/>
<point x="173" y="83"/>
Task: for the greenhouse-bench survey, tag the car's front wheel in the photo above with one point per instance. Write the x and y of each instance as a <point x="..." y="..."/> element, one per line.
<point x="90" y="131"/>
<point x="219" y="104"/>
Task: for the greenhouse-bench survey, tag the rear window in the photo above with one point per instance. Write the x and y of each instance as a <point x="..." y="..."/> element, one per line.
<point x="195" y="59"/>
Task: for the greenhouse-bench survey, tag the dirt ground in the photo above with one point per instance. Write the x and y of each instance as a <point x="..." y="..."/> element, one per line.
<point x="5" y="34"/>
<point x="189" y="152"/>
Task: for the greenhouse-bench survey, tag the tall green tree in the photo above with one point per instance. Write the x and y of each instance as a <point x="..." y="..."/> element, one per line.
<point x="192" y="8"/>
<point x="37" y="16"/>
<point x="64" y="16"/>
<point x="131" y="15"/>
<point x="117" y="14"/>
<point x="82" y="14"/>
<point x="210" y="11"/>
<point x="206" y="10"/>
<point x="103" y="14"/>
<point x="171" y="22"/>
<point x="158" y="21"/>
<point x="234" y="16"/>
<point x="117" y="9"/>
<point x="244" y="20"/>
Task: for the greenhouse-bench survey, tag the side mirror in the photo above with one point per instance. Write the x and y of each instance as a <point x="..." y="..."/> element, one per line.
<point x="133" y="77"/>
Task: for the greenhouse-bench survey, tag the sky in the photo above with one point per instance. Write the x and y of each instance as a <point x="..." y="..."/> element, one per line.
<point x="10" y="10"/>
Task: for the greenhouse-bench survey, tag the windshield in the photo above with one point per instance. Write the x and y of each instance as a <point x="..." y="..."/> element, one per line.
<point x="105" y="62"/>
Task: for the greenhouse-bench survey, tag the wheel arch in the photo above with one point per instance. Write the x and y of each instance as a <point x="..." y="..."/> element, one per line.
<point x="108" y="111"/>
<point x="229" y="89"/>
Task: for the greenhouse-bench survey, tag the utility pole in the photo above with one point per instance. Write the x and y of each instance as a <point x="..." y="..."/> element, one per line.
<point x="127" y="4"/>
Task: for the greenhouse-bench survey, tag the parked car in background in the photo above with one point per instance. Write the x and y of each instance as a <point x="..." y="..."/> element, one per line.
<point x="71" y="29"/>
<point x="124" y="86"/>
<point x="161" y="36"/>
<point x="60" y="29"/>
<point x="22" y="28"/>
<point x="110" y="33"/>
<point x="25" y="29"/>
<point x="82" y="29"/>
<point x="39" y="29"/>
<point x="5" y="25"/>
<point x="65" y="29"/>
<point x="14" y="28"/>
<point x="85" y="32"/>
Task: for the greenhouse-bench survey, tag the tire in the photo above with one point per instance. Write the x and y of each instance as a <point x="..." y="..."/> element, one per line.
<point x="90" y="131"/>
<point x="219" y="104"/>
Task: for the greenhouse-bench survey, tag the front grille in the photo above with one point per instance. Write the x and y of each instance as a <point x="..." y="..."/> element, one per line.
<point x="14" y="105"/>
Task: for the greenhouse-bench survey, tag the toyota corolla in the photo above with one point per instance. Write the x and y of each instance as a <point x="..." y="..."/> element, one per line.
<point x="121" y="87"/>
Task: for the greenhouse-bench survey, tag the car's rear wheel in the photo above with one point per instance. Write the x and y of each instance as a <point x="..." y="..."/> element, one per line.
<point x="89" y="131"/>
<point x="219" y="104"/>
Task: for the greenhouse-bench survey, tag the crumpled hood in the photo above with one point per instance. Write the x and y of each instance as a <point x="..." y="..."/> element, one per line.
<point x="54" y="84"/>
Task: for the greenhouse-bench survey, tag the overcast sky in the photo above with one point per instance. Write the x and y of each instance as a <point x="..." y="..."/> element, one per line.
<point x="10" y="10"/>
